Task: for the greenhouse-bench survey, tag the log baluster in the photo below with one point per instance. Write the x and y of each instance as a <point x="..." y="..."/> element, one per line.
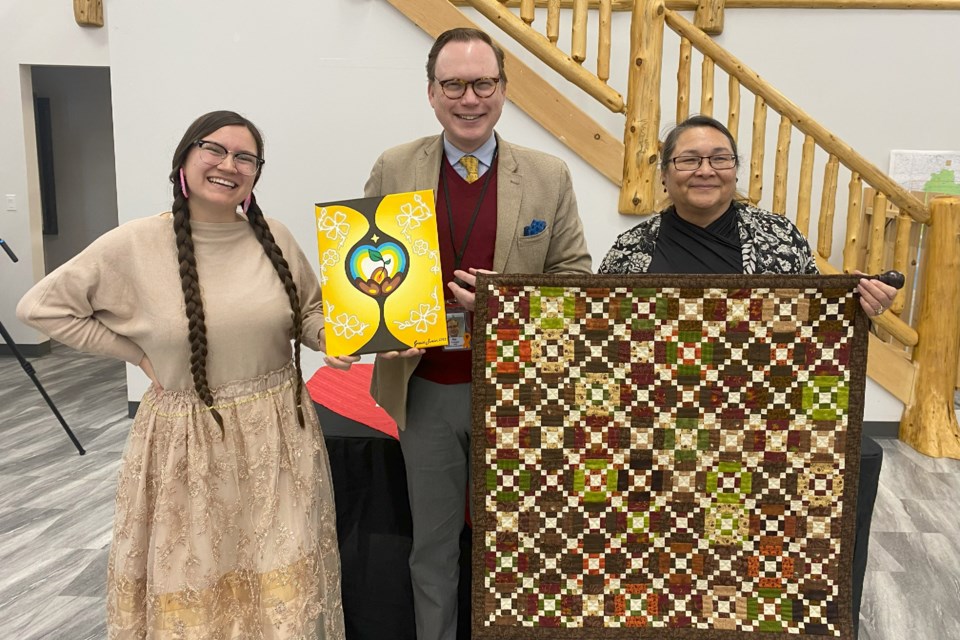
<point x="781" y="166"/>
<point x="603" y="41"/>
<point x="706" y="87"/>
<point x="756" y="149"/>
<point x="806" y="185"/>
<point x="683" y="81"/>
<point x="553" y="20"/>
<point x="527" y="11"/>
<point x="733" y="107"/>
<point x="877" y="227"/>
<point x="901" y="254"/>
<point x="851" y="246"/>
<point x="828" y="204"/>
<point x="578" y="37"/>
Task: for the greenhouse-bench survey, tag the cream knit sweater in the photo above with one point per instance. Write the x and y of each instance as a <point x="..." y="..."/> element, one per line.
<point x="121" y="297"/>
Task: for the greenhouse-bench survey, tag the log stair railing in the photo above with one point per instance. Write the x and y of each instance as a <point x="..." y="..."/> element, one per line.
<point x="916" y="349"/>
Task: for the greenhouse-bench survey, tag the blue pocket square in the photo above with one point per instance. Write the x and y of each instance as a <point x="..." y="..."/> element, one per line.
<point x="534" y="228"/>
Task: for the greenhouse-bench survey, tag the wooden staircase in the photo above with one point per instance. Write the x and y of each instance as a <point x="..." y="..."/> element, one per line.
<point x="916" y="361"/>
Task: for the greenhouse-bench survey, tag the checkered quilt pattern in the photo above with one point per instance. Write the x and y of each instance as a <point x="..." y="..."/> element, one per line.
<point x="666" y="456"/>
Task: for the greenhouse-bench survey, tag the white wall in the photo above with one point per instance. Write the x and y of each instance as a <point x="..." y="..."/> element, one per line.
<point x="84" y="173"/>
<point x="333" y="83"/>
<point x="33" y="32"/>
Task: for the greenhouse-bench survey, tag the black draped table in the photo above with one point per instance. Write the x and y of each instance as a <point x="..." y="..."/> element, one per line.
<point x="374" y="528"/>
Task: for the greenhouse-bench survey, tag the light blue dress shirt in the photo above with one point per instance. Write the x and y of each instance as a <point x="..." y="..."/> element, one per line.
<point x="484" y="154"/>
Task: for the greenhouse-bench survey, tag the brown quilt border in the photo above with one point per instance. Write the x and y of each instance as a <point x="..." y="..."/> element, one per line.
<point x="857" y="365"/>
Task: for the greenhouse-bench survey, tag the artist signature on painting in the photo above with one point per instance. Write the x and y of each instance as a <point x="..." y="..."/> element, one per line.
<point x="420" y="344"/>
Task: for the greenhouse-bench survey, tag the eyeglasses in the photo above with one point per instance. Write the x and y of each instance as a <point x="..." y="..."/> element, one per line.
<point x="213" y="154"/>
<point x="455" y="87"/>
<point x="692" y="163"/>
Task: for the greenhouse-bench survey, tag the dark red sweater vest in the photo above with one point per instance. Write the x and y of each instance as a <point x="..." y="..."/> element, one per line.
<point x="455" y="367"/>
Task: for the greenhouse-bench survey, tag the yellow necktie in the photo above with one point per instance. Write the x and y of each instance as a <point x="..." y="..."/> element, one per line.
<point x="472" y="165"/>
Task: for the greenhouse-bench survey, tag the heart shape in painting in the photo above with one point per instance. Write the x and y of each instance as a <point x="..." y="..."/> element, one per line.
<point x="377" y="270"/>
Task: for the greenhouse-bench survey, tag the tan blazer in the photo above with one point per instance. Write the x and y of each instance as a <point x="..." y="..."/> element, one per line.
<point x="530" y="186"/>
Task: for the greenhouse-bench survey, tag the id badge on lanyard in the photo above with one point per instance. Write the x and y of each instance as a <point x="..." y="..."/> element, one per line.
<point x="458" y="327"/>
<point x="458" y="317"/>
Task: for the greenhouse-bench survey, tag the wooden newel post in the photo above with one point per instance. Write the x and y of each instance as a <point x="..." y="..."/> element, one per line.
<point x="929" y="423"/>
<point x="641" y="133"/>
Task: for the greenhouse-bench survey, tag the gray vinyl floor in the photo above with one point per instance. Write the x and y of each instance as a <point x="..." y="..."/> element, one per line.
<point x="56" y="511"/>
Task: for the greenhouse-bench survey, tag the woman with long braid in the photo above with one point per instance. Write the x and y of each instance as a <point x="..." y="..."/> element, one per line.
<point x="225" y="521"/>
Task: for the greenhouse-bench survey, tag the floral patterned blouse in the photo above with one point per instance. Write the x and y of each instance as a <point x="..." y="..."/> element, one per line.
<point x="770" y="244"/>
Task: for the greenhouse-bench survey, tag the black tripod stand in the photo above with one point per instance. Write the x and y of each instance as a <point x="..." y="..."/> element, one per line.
<point x="28" y="368"/>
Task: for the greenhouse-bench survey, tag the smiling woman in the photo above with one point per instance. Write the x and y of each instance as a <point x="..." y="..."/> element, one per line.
<point x="217" y="179"/>
<point x="705" y="230"/>
<point x="224" y="514"/>
<point x="699" y="169"/>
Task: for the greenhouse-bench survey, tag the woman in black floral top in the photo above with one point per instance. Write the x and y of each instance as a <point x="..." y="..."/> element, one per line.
<point x="706" y="231"/>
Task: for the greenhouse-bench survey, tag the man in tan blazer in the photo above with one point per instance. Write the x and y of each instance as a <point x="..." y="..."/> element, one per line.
<point x="500" y="207"/>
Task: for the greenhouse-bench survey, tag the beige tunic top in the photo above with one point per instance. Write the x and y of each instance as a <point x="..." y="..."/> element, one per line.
<point x="121" y="297"/>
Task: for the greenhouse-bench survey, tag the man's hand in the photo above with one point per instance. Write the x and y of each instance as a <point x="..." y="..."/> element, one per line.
<point x="466" y="297"/>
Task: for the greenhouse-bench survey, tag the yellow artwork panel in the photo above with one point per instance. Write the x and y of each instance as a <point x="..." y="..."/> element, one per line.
<point x="380" y="274"/>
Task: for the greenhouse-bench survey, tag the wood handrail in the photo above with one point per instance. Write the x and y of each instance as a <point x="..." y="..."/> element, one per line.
<point x="691" y="5"/>
<point x="801" y="120"/>
<point x="947" y="5"/>
<point x="615" y="5"/>
<point x="541" y="47"/>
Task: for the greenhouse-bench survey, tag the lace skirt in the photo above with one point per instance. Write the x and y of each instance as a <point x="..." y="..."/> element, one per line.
<point x="225" y="536"/>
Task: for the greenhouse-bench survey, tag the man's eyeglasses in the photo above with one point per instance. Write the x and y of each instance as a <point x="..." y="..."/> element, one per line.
<point x="692" y="163"/>
<point x="455" y="88"/>
<point x="213" y="154"/>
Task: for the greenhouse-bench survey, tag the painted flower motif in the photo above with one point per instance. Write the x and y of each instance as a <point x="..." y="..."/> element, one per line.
<point x="423" y="318"/>
<point x="420" y="247"/>
<point x="347" y="326"/>
<point x="408" y="218"/>
<point x="330" y="257"/>
<point x="334" y="226"/>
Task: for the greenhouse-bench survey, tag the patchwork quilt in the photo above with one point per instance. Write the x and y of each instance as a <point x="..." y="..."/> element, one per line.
<point x="665" y="456"/>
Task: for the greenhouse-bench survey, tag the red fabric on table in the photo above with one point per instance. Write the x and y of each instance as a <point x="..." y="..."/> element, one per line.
<point x="348" y="393"/>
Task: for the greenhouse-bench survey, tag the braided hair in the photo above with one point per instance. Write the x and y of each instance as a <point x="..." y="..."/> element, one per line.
<point x="190" y="283"/>
<point x="270" y="247"/>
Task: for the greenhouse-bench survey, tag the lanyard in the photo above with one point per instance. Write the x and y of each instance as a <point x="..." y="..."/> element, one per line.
<point x="458" y="255"/>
